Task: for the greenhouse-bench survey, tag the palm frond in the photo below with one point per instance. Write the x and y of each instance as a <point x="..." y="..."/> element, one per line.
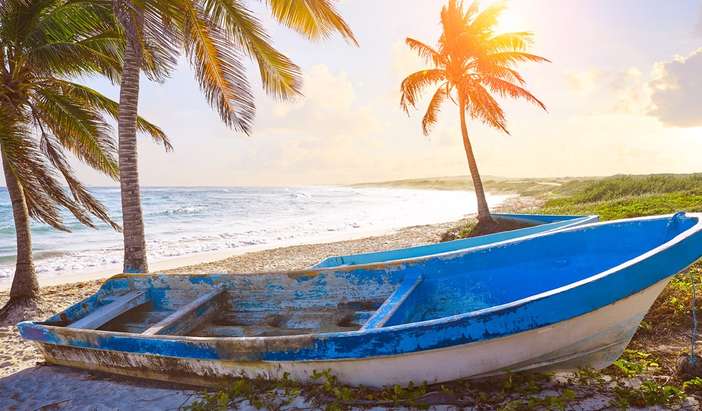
<point x="481" y="105"/>
<point x="78" y="128"/>
<point x="488" y="68"/>
<point x="80" y="193"/>
<point x="95" y="100"/>
<point x="507" y="89"/>
<point x="487" y="19"/>
<point x="315" y="19"/>
<point x="42" y="190"/>
<point x="41" y="41"/>
<point x="71" y="59"/>
<point x="431" y="116"/>
<point x="280" y="77"/>
<point x="160" y="40"/>
<point x="514" y="41"/>
<point x="453" y="23"/>
<point x="509" y="58"/>
<point x="219" y="71"/>
<point x="426" y="52"/>
<point x="415" y="83"/>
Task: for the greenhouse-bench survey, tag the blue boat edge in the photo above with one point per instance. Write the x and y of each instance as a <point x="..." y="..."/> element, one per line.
<point x="541" y="223"/>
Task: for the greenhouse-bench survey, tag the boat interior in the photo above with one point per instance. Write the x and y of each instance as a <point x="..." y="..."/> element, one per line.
<point x="363" y="297"/>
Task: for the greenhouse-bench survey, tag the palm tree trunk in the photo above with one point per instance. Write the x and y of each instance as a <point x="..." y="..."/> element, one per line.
<point x="483" y="210"/>
<point x="132" y="219"/>
<point x="24" y="284"/>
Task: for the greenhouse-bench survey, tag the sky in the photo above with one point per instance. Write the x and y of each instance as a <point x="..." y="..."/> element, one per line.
<point x="623" y="93"/>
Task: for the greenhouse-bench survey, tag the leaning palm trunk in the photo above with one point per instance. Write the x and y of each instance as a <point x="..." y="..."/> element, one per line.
<point x="24" y="284"/>
<point x="132" y="220"/>
<point x="483" y="210"/>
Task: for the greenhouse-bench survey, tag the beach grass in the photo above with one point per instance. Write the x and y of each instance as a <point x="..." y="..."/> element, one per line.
<point x="627" y="196"/>
<point x="523" y="186"/>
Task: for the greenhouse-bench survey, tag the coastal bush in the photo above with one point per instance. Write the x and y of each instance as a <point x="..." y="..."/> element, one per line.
<point x="649" y="394"/>
<point x="633" y="363"/>
<point x="627" y="196"/>
<point x="629" y="207"/>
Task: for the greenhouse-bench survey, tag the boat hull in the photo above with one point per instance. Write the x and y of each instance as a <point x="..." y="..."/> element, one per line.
<point x="592" y="340"/>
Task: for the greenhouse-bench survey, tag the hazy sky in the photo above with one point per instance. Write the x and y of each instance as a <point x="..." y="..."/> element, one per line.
<point x="624" y="93"/>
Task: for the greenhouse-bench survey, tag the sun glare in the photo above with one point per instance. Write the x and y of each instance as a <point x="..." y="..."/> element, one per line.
<point x="510" y="19"/>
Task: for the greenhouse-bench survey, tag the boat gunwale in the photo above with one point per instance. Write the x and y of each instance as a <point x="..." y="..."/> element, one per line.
<point x="572" y="221"/>
<point x="261" y="341"/>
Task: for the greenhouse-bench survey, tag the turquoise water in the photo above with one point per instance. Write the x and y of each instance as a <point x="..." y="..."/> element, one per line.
<point x="185" y="221"/>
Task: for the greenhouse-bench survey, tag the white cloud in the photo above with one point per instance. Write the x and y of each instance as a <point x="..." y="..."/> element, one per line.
<point x="669" y="91"/>
<point x="632" y="91"/>
<point x="677" y="91"/>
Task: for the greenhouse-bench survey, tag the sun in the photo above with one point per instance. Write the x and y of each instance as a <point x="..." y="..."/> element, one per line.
<point x="510" y="20"/>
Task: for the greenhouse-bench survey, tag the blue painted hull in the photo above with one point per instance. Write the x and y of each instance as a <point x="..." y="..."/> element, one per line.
<point x="539" y="224"/>
<point x="512" y="292"/>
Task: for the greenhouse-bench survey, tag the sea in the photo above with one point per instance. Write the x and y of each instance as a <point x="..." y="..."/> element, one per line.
<point x="187" y="221"/>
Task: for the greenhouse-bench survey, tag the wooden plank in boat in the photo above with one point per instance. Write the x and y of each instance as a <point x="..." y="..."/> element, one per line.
<point x="188" y="317"/>
<point x="110" y="311"/>
<point x="390" y="306"/>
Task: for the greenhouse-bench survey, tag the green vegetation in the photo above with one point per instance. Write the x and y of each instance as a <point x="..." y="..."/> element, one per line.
<point x="633" y="363"/>
<point x="533" y="187"/>
<point x="627" y="196"/>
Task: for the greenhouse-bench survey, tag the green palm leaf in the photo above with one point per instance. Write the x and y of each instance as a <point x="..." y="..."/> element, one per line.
<point x="312" y="18"/>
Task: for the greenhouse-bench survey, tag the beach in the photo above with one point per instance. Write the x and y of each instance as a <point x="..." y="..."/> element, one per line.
<point x="64" y="387"/>
<point x="25" y="383"/>
<point x="193" y="225"/>
<point x="17" y="354"/>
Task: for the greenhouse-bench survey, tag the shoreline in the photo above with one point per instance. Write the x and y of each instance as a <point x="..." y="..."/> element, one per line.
<point x="174" y="264"/>
<point x="17" y="354"/>
<point x="510" y="203"/>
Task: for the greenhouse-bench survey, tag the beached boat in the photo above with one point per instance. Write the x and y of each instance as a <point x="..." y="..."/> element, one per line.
<point x="553" y="300"/>
<point x="537" y="223"/>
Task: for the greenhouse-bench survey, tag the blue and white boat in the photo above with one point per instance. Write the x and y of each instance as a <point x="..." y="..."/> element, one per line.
<point x="555" y="300"/>
<point x="537" y="223"/>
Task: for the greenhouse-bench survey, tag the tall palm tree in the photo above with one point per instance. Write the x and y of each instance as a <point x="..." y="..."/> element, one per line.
<point x="471" y="64"/>
<point x="216" y="36"/>
<point x="43" y="115"/>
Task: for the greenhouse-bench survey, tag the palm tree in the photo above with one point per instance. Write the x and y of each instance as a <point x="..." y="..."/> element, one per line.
<point x="216" y="36"/>
<point x="43" y="115"/>
<point x="470" y="64"/>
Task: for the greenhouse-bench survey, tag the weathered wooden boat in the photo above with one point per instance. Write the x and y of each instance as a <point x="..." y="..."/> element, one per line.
<point x="552" y="300"/>
<point x="537" y="223"/>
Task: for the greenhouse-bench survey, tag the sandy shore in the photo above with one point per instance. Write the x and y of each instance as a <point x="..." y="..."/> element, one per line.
<point x="25" y="386"/>
<point x="16" y="354"/>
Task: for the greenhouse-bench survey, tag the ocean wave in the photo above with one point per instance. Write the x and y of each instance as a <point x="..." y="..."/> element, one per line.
<point x="185" y="210"/>
<point x="186" y="221"/>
